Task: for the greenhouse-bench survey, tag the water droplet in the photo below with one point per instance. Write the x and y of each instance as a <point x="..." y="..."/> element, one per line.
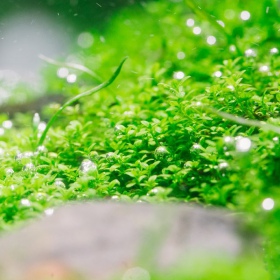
<point x="218" y="74"/>
<point x="29" y="167"/>
<point x="71" y="78"/>
<point x="250" y="53"/>
<point x="25" y="202"/>
<point x="85" y="40"/>
<point x="211" y="40"/>
<point x="179" y="75"/>
<point x="221" y="23"/>
<point x="161" y="152"/>
<point x="181" y="55"/>
<point x="245" y="15"/>
<point x="190" y="22"/>
<point x="49" y="212"/>
<point x="58" y="183"/>
<point x="7" y="124"/>
<point x="243" y="144"/>
<point x="136" y="273"/>
<point x="62" y="72"/>
<point x="9" y="171"/>
<point x="87" y="166"/>
<point x="274" y="51"/>
<point x="196" y="30"/>
<point x="268" y="204"/>
<point x="264" y="68"/>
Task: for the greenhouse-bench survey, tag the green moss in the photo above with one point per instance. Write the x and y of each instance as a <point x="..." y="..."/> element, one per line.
<point x="165" y="130"/>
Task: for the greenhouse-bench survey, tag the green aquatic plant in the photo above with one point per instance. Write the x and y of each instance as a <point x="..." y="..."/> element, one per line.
<point x="78" y="97"/>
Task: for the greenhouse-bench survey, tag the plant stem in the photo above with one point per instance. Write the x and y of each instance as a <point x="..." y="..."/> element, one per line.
<point x="76" y="98"/>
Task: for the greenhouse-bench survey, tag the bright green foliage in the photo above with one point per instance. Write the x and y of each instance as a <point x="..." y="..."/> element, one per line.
<point x="157" y="134"/>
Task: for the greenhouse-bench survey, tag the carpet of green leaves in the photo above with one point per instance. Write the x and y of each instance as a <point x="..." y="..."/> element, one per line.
<point x="154" y="136"/>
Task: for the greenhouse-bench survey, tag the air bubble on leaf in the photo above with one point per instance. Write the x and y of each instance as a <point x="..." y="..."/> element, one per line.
<point x="25" y="202"/>
<point x="274" y="51"/>
<point x="29" y="167"/>
<point x="196" y="30"/>
<point x="41" y="196"/>
<point x="49" y="212"/>
<point x="88" y="166"/>
<point x="268" y="204"/>
<point x="223" y="165"/>
<point x="264" y="68"/>
<point x="250" y="53"/>
<point x="190" y="22"/>
<point x="179" y="75"/>
<point x="218" y="74"/>
<point x="211" y="40"/>
<point x="195" y="148"/>
<point x="12" y="187"/>
<point x="41" y="126"/>
<point x="245" y="15"/>
<point x="2" y="131"/>
<point x="62" y="72"/>
<point x="243" y="144"/>
<point x="275" y="139"/>
<point x="231" y="87"/>
<point x="9" y="171"/>
<point x="161" y="152"/>
<point x="221" y="23"/>
<point x="7" y="124"/>
<point x="115" y="197"/>
<point x="58" y="183"/>
<point x="71" y="78"/>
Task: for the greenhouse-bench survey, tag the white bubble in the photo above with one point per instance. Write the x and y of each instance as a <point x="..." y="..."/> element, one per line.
<point x="231" y="87"/>
<point x="36" y="120"/>
<point x="274" y="51"/>
<point x="7" y="124"/>
<point x="245" y="15"/>
<point x="211" y="40"/>
<point x="9" y="171"/>
<point x="196" y="30"/>
<point x="136" y="273"/>
<point x="264" y="68"/>
<point x="232" y="48"/>
<point x="250" y="53"/>
<point x="181" y="55"/>
<point x="190" y="22"/>
<point x="42" y="126"/>
<point x="218" y="74"/>
<point x="268" y="204"/>
<point x="221" y="23"/>
<point x="71" y="78"/>
<point x="2" y="131"/>
<point x="49" y="212"/>
<point x="25" y="202"/>
<point x="85" y="40"/>
<point x="223" y="165"/>
<point x="62" y="72"/>
<point x="179" y="75"/>
<point x="161" y="152"/>
<point x="88" y="166"/>
<point x="243" y="144"/>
